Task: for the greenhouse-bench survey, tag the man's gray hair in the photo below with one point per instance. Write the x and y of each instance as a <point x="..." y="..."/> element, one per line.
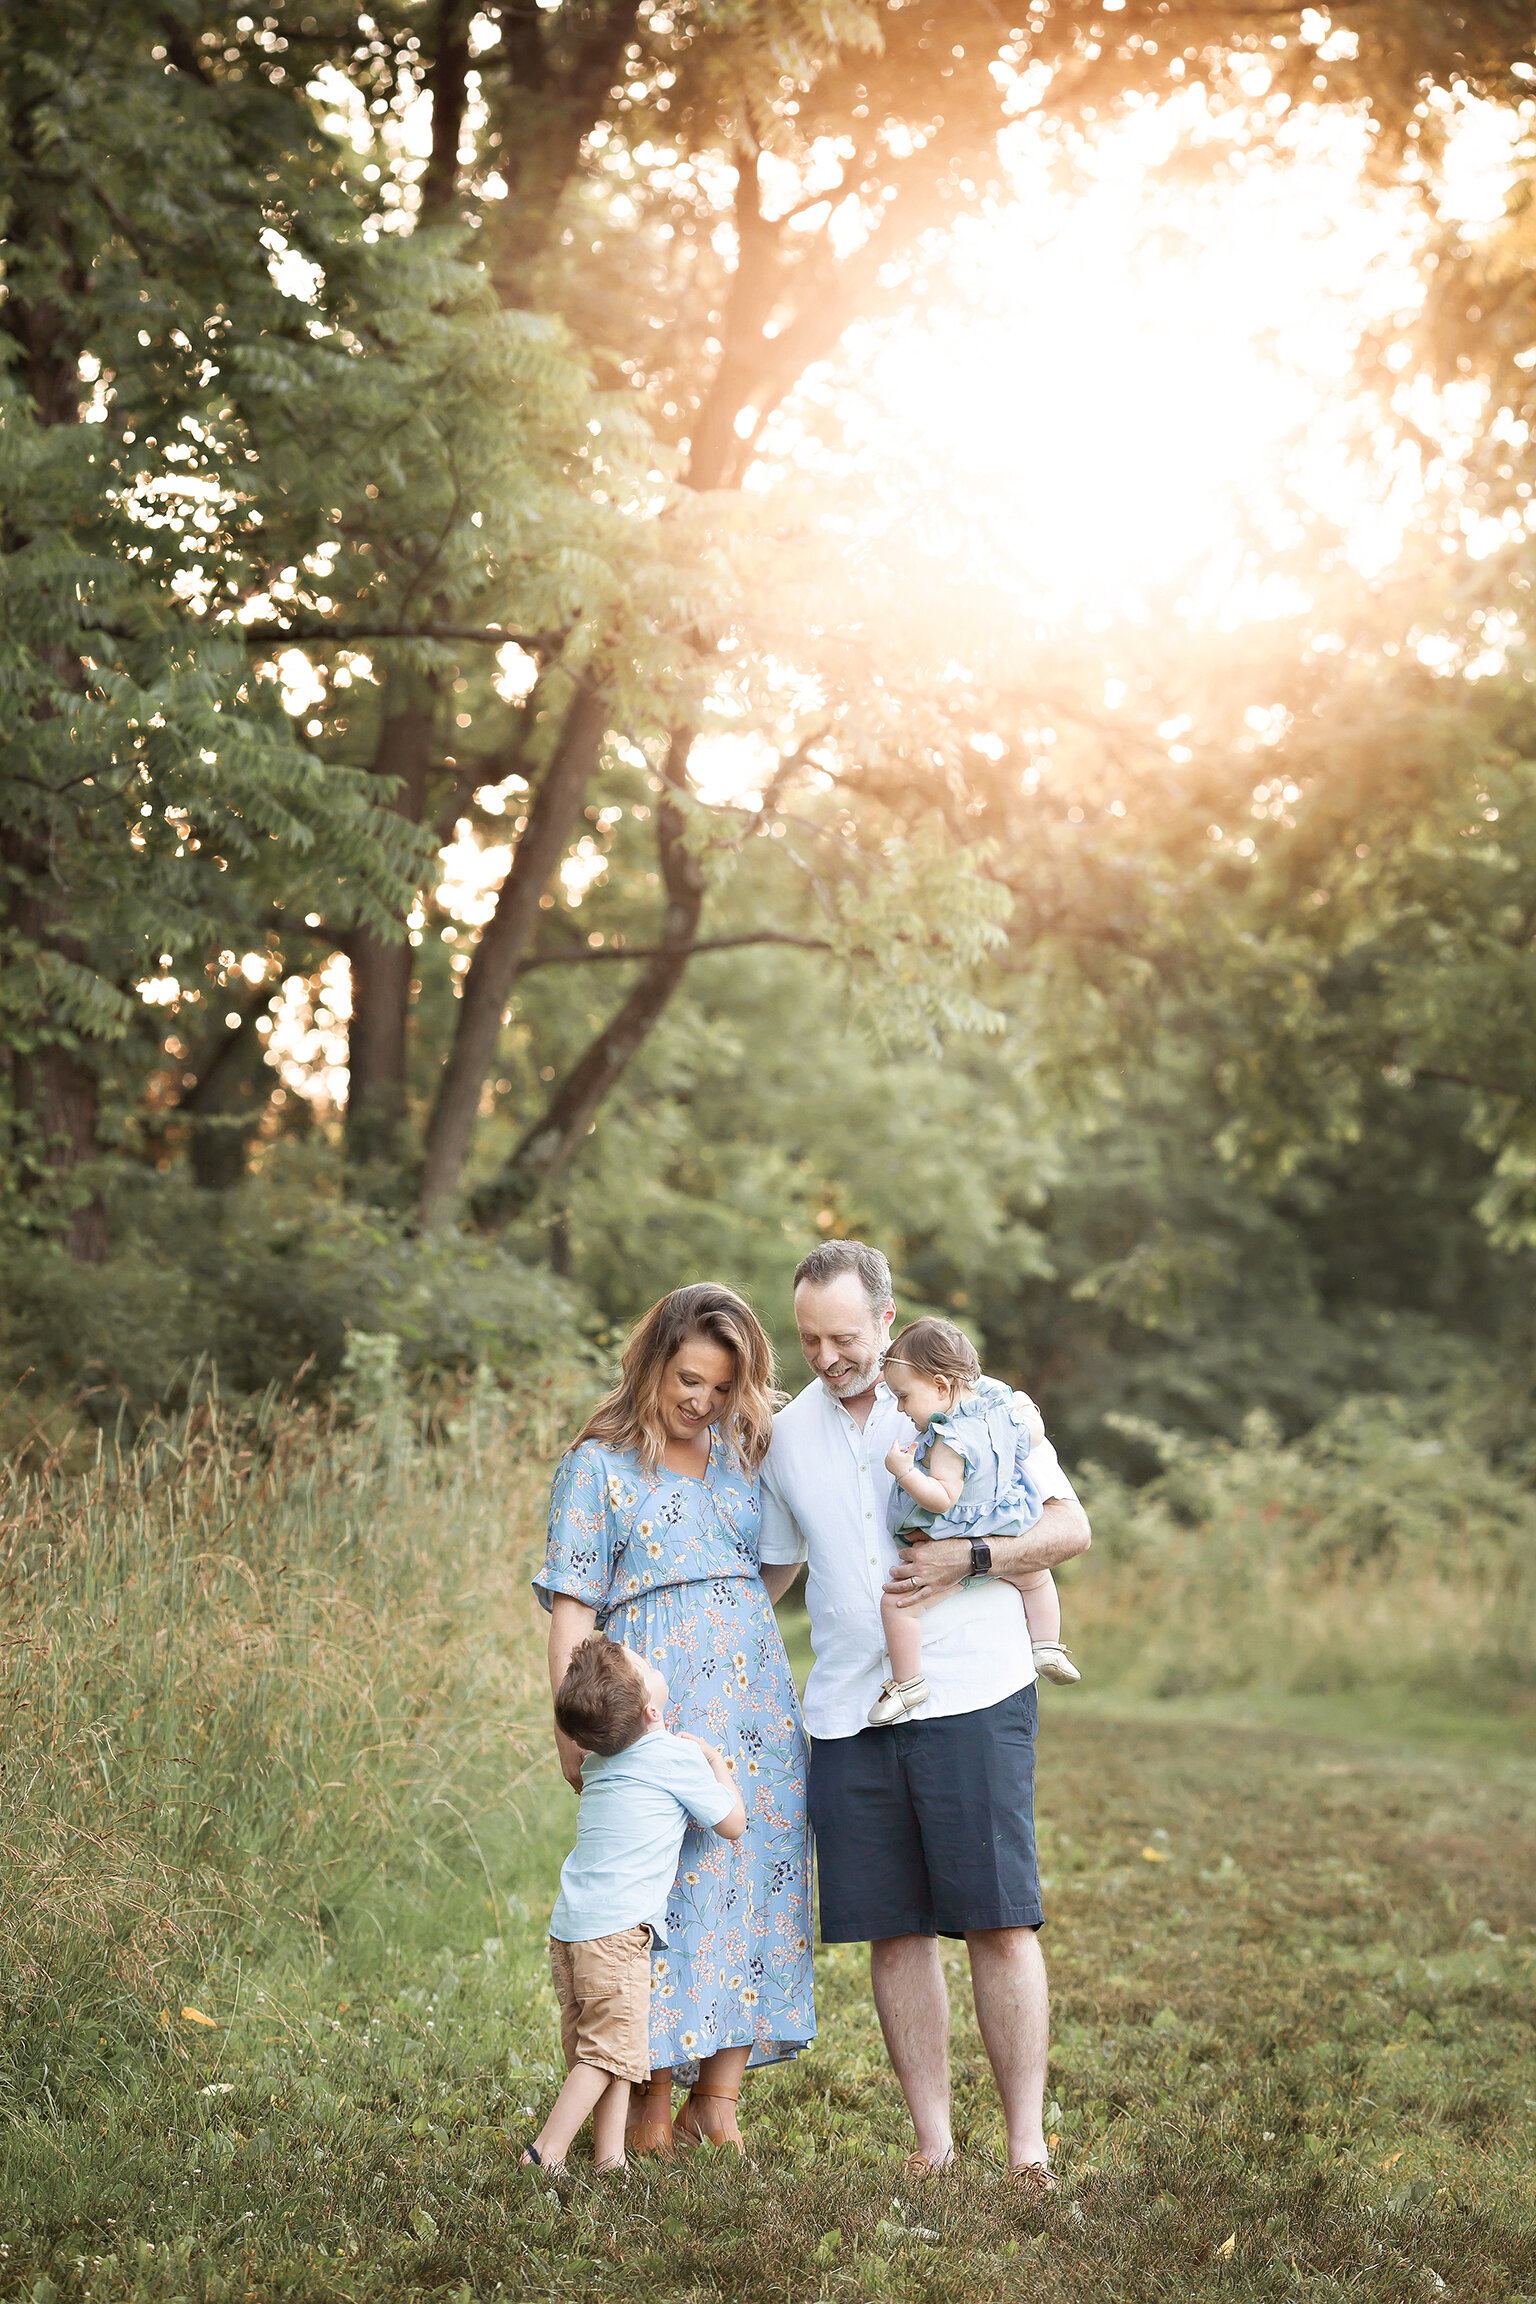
<point x="835" y="1257"/>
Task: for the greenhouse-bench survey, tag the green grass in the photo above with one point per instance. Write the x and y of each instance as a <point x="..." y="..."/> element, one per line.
<point x="1295" y="1986"/>
<point x="272" y="1749"/>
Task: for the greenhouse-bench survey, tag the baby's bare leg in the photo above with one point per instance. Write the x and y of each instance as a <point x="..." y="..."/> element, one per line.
<point x="903" y="1638"/>
<point x="1042" y="1605"/>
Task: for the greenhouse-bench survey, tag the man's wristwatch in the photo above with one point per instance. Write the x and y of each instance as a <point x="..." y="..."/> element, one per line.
<point x="981" y="1558"/>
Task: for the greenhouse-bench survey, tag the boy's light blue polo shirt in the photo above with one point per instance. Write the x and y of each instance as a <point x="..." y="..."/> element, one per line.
<point x="635" y="1808"/>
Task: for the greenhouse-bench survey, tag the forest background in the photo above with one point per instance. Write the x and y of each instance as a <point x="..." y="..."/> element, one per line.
<point x="517" y="790"/>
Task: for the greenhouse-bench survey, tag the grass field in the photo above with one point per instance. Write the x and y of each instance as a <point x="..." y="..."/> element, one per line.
<point x="279" y="1839"/>
<point x="1295" y="2054"/>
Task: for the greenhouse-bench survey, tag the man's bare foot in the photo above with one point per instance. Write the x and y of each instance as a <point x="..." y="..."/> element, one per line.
<point x="918" y="2167"/>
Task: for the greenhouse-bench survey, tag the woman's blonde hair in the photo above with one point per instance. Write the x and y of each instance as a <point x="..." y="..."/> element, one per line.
<point x="630" y="1417"/>
<point x="938" y="1350"/>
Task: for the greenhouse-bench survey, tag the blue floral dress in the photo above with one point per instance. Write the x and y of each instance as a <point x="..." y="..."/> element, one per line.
<point x="671" y="1566"/>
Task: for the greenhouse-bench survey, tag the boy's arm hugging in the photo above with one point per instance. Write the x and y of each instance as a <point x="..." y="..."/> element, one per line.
<point x="731" y="1825"/>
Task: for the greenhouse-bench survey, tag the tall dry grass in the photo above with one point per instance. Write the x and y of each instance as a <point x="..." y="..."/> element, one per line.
<point x="1380" y="1550"/>
<point x="247" y="1662"/>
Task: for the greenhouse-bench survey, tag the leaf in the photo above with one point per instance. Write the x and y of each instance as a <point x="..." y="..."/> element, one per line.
<point x="1228" y="2245"/>
<point x="196" y="2016"/>
<point x="424" y="2225"/>
<point x="1157" y="1856"/>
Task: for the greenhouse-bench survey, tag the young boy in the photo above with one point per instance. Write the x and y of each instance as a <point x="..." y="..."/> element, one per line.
<point x="640" y="1788"/>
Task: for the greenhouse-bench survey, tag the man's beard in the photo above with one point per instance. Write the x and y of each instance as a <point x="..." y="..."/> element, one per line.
<point x="857" y="1379"/>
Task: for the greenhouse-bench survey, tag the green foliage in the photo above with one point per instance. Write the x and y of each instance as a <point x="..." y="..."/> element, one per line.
<point x="268" y="1284"/>
<point x="1384" y="1548"/>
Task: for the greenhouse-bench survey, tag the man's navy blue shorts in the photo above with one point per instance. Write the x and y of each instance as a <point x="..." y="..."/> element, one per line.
<point x="928" y="1828"/>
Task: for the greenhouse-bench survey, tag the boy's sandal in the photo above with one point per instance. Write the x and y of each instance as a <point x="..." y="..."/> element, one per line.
<point x="690" y="2129"/>
<point x="555" y="2170"/>
<point x="652" y="2134"/>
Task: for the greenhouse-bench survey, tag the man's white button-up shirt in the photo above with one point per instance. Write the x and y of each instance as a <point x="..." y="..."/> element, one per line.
<point x="825" y="1490"/>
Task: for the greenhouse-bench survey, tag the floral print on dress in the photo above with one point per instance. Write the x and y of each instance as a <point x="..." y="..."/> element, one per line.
<point x="670" y="1564"/>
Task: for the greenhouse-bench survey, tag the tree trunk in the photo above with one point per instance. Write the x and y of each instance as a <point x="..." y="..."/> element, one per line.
<point x="542" y="113"/>
<point x="227" y="1097"/>
<point x="448" y="86"/>
<point x="378" y="1035"/>
<point x="57" y="1091"/>
<point x="552" y="817"/>
<point x="553" y="1140"/>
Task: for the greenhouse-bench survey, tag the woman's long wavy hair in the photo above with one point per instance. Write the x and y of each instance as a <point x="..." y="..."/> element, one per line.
<point x="630" y="1417"/>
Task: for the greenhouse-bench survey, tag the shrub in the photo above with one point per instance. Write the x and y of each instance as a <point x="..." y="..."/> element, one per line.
<point x="268" y="1281"/>
<point x="1377" y="1549"/>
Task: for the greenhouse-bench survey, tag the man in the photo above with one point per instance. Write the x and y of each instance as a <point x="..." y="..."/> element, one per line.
<point x="925" y="1829"/>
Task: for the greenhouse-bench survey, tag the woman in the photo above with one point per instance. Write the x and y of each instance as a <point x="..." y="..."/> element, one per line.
<point x="653" y="1535"/>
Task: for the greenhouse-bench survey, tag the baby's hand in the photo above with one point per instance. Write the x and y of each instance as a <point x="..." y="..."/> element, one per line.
<point x="1028" y="1418"/>
<point x="899" y="1459"/>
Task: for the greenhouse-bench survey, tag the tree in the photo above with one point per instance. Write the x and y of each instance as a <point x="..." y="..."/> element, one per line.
<point x="231" y="420"/>
<point x="830" y="188"/>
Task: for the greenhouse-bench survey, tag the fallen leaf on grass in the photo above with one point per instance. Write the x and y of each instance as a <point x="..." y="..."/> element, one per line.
<point x="1157" y="1855"/>
<point x="1228" y="2246"/>
<point x="196" y="2016"/>
<point x="423" y="2225"/>
<point x="1391" y="2161"/>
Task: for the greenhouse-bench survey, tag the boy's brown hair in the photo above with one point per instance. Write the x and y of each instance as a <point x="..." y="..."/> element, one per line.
<point x="601" y="1702"/>
<point x="938" y="1350"/>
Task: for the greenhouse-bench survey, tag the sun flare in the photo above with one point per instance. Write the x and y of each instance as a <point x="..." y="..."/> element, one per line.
<point x="1112" y="377"/>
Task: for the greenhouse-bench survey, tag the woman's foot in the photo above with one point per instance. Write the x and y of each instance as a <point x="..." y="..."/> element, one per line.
<point x="648" y="2129"/>
<point x="897" y="1698"/>
<point x="1053" y="1662"/>
<point x="709" y="2117"/>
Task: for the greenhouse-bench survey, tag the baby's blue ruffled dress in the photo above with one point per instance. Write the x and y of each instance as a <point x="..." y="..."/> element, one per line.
<point x="999" y="1497"/>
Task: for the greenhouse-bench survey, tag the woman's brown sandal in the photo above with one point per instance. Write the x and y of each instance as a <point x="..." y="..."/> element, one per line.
<point x="651" y="2132"/>
<point x="690" y="2128"/>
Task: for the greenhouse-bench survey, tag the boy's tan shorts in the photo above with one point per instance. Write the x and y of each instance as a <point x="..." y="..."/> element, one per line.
<point x="604" y="1991"/>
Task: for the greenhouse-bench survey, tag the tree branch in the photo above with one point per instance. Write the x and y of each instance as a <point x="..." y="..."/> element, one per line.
<point x="674" y="951"/>
<point x="297" y="629"/>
